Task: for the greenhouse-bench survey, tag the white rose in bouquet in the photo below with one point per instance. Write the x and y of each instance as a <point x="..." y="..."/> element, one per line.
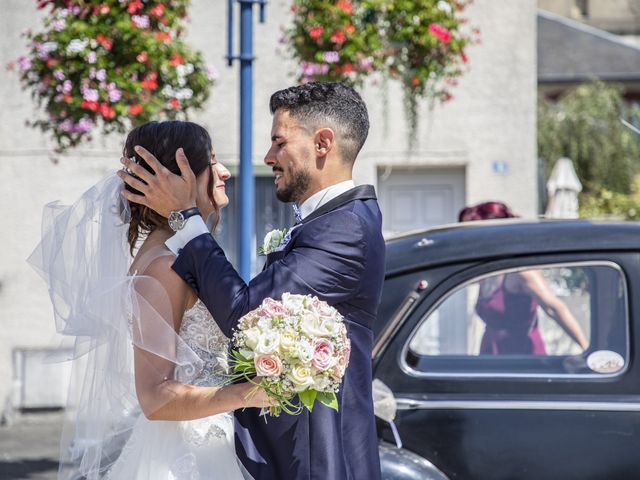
<point x="289" y="343"/>
<point x="252" y="337"/>
<point x="293" y="303"/>
<point x="268" y="342"/>
<point x="300" y="376"/>
<point x="305" y="351"/>
<point x="310" y="324"/>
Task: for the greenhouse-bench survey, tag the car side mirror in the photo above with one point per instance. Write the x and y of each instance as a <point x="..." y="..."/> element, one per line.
<point x="385" y="407"/>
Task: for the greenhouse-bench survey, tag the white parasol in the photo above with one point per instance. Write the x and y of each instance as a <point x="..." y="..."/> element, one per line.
<point x="563" y="188"/>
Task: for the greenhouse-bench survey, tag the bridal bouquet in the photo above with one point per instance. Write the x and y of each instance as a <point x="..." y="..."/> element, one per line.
<point x="298" y="346"/>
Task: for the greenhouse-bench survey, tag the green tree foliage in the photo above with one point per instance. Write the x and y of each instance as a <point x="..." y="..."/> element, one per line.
<point x="584" y="125"/>
<point x="607" y="204"/>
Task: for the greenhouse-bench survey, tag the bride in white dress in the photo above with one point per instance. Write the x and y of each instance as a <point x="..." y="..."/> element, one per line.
<point x="149" y="399"/>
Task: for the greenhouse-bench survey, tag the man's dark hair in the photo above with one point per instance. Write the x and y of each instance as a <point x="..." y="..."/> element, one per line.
<point x="327" y="104"/>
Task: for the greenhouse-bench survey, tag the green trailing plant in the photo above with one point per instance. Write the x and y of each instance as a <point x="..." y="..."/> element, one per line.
<point x="427" y="41"/>
<point x="419" y="42"/>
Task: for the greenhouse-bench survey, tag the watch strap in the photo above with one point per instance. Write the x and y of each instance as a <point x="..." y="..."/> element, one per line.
<point x="190" y="212"/>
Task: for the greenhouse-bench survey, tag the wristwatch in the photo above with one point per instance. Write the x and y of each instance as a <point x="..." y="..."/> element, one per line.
<point x="178" y="219"/>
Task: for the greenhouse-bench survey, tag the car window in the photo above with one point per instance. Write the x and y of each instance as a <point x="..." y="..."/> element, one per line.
<point x="394" y="293"/>
<point x="558" y="319"/>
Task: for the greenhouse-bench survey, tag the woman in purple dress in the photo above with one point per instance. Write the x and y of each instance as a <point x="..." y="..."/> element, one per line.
<point x="508" y="303"/>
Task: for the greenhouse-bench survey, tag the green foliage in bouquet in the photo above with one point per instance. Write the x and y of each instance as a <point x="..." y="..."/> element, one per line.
<point x="420" y="42"/>
<point x="111" y="64"/>
<point x="243" y="369"/>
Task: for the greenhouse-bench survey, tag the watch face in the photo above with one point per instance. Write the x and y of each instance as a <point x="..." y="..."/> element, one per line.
<point x="176" y="221"/>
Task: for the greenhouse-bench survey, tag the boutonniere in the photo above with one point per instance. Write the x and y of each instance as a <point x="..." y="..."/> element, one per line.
<point x="273" y="241"/>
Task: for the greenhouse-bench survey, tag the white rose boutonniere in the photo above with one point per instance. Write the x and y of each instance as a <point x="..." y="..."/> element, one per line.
<point x="272" y="241"/>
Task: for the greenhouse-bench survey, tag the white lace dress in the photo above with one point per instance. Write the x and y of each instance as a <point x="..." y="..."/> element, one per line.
<point x="190" y="450"/>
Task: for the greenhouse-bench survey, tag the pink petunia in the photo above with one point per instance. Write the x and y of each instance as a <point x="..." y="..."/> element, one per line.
<point x="84" y="125"/>
<point x="58" y="24"/>
<point x="212" y="73"/>
<point x="24" y="64"/>
<point x="114" y="94"/>
<point x="312" y="69"/>
<point x="66" y="125"/>
<point x="331" y="57"/>
<point x="90" y="95"/>
<point x="140" y="21"/>
<point x="440" y="32"/>
<point x="67" y="86"/>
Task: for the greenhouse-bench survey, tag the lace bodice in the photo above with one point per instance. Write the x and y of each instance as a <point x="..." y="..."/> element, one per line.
<point x="202" y="335"/>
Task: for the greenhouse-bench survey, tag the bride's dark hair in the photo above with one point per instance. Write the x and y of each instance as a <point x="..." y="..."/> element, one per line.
<point x="162" y="139"/>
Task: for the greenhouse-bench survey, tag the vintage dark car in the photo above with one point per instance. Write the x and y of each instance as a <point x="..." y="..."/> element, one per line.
<point x="467" y="404"/>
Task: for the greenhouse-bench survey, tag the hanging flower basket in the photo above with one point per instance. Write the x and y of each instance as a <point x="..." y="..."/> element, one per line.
<point x="107" y="65"/>
<point x="427" y="41"/>
<point x="419" y="42"/>
<point x="336" y="41"/>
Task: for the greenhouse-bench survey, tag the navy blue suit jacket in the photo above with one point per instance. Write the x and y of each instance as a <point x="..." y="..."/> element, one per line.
<point x="337" y="254"/>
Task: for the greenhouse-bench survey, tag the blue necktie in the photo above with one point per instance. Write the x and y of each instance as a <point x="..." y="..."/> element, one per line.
<point x="297" y="214"/>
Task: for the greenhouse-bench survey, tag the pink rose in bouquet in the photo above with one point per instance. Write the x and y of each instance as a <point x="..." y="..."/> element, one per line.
<point x="323" y="358"/>
<point x="268" y="365"/>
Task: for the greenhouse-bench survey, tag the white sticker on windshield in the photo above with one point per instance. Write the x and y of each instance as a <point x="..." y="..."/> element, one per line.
<point x="605" y="361"/>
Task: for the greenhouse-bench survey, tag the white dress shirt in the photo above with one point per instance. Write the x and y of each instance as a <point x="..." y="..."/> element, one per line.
<point x="195" y="226"/>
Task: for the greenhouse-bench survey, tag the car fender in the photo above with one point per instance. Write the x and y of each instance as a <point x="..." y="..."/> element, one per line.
<point x="400" y="464"/>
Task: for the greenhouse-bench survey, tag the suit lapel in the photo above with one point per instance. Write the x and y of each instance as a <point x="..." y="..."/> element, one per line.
<point x="273" y="257"/>
<point x="362" y="192"/>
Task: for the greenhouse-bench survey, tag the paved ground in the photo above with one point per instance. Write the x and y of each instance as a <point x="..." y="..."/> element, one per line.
<point x="29" y="447"/>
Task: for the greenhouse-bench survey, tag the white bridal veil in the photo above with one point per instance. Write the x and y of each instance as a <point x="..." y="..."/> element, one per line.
<point x="84" y="258"/>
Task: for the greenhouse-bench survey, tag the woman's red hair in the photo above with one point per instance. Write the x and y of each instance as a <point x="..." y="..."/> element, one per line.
<point x="485" y="211"/>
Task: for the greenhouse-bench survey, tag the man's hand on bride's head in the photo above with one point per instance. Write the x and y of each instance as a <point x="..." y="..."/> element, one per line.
<point x="162" y="191"/>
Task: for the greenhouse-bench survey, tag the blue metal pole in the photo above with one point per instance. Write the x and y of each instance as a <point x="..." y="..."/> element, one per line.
<point x="230" y="32"/>
<point x="247" y="194"/>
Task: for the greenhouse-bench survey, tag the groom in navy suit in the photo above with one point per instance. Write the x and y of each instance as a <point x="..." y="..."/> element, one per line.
<point x="335" y="251"/>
